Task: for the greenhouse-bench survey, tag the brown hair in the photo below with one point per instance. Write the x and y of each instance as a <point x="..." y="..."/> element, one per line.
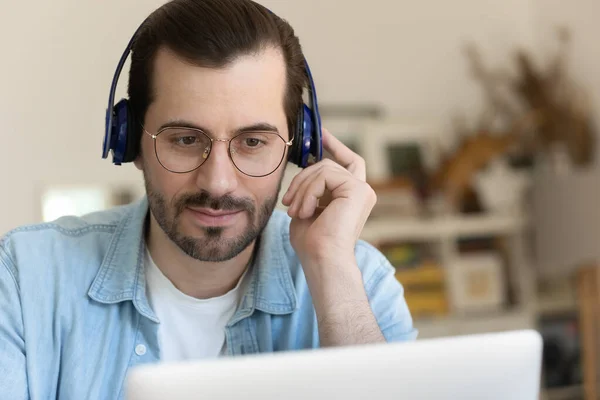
<point x="213" y="33"/>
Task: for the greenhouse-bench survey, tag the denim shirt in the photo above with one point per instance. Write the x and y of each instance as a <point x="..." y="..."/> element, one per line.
<point x="75" y="316"/>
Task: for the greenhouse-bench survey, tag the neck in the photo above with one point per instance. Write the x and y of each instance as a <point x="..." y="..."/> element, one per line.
<point x="198" y="279"/>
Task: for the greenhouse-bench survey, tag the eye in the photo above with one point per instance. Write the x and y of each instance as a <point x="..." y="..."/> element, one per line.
<point x="186" y="140"/>
<point x="183" y="137"/>
<point x="253" y="142"/>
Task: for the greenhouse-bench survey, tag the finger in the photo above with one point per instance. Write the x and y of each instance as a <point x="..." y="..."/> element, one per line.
<point x="297" y="200"/>
<point x="288" y="198"/>
<point x="343" y="155"/>
<point x="307" y="197"/>
<point x="300" y="177"/>
<point x="308" y="207"/>
<point x="313" y="189"/>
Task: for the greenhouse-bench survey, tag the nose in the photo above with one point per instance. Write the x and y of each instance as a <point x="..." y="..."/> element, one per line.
<point x="218" y="175"/>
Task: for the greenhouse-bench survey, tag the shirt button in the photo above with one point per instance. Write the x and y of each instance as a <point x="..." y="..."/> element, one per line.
<point x="140" y="349"/>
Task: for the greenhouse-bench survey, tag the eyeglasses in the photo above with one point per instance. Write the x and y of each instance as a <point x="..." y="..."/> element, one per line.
<point x="182" y="149"/>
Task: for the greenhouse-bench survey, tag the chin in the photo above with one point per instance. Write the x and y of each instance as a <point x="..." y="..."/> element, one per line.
<point x="212" y="245"/>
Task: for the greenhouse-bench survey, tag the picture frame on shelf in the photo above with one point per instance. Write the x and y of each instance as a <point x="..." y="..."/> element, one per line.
<point x="397" y="147"/>
<point x="477" y="283"/>
<point x="346" y="121"/>
<point x="349" y="131"/>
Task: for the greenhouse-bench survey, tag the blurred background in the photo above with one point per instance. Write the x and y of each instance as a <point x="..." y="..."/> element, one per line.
<point x="477" y="119"/>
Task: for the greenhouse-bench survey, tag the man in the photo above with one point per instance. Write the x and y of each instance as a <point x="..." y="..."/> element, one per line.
<point x="203" y="266"/>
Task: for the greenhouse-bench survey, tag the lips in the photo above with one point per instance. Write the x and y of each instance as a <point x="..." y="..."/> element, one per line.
<point x="214" y="213"/>
<point x="211" y="217"/>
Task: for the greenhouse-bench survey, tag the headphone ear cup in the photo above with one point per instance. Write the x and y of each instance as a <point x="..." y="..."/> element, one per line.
<point x="119" y="131"/>
<point x="132" y="137"/>
<point x="123" y="141"/>
<point x="305" y="136"/>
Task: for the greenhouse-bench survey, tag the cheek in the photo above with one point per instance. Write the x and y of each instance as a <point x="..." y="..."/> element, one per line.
<point x="166" y="183"/>
<point x="266" y="187"/>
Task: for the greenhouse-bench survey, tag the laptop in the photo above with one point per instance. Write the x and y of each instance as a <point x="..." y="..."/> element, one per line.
<point x="493" y="366"/>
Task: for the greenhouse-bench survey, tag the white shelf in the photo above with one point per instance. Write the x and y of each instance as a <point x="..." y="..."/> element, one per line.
<point x="441" y="228"/>
<point x="495" y="321"/>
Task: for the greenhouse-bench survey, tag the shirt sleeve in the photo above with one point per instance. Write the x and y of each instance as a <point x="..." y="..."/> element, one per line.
<point x="386" y="297"/>
<point x="13" y="375"/>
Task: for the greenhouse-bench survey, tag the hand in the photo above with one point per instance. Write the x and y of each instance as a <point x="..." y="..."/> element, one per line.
<point x="331" y="233"/>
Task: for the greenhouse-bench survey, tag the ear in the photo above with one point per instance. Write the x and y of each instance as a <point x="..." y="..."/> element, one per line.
<point x="138" y="161"/>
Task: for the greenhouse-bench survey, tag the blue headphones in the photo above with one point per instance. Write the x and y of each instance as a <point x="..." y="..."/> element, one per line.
<point x="120" y="133"/>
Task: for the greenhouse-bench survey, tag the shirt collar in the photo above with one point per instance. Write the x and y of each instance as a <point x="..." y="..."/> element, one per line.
<point x="122" y="277"/>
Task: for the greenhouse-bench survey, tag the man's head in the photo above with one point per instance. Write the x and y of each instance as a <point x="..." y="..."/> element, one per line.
<point x="223" y="68"/>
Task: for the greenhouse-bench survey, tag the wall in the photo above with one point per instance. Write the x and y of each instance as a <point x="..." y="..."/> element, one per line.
<point x="58" y="58"/>
<point x="57" y="64"/>
<point x="568" y="206"/>
<point x="406" y="55"/>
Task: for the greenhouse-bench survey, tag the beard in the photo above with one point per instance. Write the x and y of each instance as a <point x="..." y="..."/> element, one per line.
<point x="212" y="247"/>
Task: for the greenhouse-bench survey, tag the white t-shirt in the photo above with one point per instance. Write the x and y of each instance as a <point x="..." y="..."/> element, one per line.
<point x="190" y="328"/>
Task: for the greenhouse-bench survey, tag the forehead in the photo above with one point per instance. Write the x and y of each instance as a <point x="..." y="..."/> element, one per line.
<point x="250" y="89"/>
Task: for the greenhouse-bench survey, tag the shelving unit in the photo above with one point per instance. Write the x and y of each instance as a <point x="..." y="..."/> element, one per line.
<point x="444" y="233"/>
<point x="447" y="227"/>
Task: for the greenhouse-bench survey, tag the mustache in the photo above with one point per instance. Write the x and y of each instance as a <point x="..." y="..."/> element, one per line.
<point x="205" y="199"/>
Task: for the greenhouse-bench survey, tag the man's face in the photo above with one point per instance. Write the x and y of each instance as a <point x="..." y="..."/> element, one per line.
<point x="215" y="211"/>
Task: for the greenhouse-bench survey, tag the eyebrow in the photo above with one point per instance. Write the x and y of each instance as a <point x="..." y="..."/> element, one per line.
<point x="256" y="127"/>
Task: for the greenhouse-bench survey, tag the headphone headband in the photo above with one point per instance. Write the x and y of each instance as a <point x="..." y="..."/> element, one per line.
<point x="316" y="116"/>
<point x="111" y="97"/>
